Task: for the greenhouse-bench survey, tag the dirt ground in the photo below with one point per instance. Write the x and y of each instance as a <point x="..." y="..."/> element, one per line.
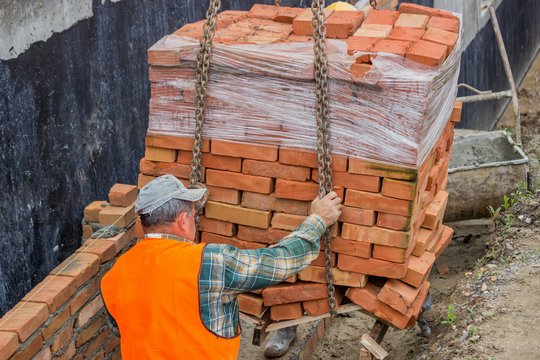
<point x="488" y="307"/>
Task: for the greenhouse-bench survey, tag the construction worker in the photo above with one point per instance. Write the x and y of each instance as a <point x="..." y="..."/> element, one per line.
<point x="174" y="299"/>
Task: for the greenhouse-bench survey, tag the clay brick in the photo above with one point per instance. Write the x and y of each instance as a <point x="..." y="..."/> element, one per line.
<point x="396" y="47"/>
<point x="427" y="53"/>
<point x="443" y="37"/>
<point x="372" y="266"/>
<point x="292" y="279"/>
<point x="44" y="354"/>
<point x="287" y="14"/>
<point x="104" y="249"/>
<point x="366" y="297"/>
<point x="55" y="324"/>
<point x="456" y="113"/>
<point x="271" y="203"/>
<point x="276" y="170"/>
<point x="446" y="238"/>
<point x="359" y="70"/>
<point x="424" y="10"/>
<point x="351" y="247"/>
<point x="210" y="238"/>
<point x="174" y="142"/>
<point x="89" y="310"/>
<point x="95" y="344"/>
<point x="443" y="23"/>
<point x="80" y="266"/>
<point x="415" y="21"/>
<point x="360" y="44"/>
<point x="377" y="202"/>
<point x="321" y="306"/>
<point x="399" y="189"/>
<point x="357" y="216"/>
<point x="267" y="236"/>
<point x="33" y="346"/>
<point x="139" y="231"/>
<point x="23" y="319"/>
<point x="406" y="34"/>
<point x="287" y="221"/>
<point x="394" y="222"/>
<point x="398" y="295"/>
<point x="82" y="297"/>
<point x="321" y="259"/>
<point x="261" y="11"/>
<point x="435" y="210"/>
<point x="359" y="166"/>
<point x="286" y="311"/>
<point x="244" y="150"/>
<point x="382" y="17"/>
<point x="342" y="24"/>
<point x="119" y="216"/>
<point x="419" y="269"/>
<point x="374" y="30"/>
<point x="90" y="331"/>
<point x="91" y="212"/>
<point x="287" y="189"/>
<point x="87" y="231"/>
<point x="143" y="180"/>
<point x="308" y="158"/>
<point x="238" y="215"/>
<point x="152" y="168"/>
<point x="224" y="195"/>
<point x="160" y="154"/>
<point x="216" y="226"/>
<point x="302" y="24"/>
<point x="435" y="240"/>
<point x="376" y="235"/>
<point x="54" y="291"/>
<point x="121" y="240"/>
<point x="218" y="162"/>
<point x="62" y="338"/>
<point x="352" y="181"/>
<point x="238" y="181"/>
<point x="393" y="254"/>
<point x="112" y="344"/>
<point x="388" y="314"/>
<point x="251" y="304"/>
<point x="290" y="293"/>
<point x="122" y="194"/>
<point x="342" y="278"/>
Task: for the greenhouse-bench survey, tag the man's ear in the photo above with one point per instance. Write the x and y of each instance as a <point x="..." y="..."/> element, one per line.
<point x="183" y="221"/>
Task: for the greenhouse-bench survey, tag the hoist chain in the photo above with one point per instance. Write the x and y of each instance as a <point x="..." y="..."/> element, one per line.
<point x="278" y="2"/>
<point x="373" y="3"/>
<point x="324" y="158"/>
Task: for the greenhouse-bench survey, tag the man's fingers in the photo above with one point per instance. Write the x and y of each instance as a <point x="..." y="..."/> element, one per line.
<point x="331" y="195"/>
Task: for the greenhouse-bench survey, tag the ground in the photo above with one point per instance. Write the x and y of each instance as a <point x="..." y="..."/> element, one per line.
<point x="488" y="307"/>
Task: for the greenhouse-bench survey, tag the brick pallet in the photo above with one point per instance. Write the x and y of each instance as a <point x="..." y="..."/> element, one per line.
<point x="392" y="122"/>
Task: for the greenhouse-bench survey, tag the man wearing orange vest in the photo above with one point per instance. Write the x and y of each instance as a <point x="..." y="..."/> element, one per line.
<point x="174" y="299"/>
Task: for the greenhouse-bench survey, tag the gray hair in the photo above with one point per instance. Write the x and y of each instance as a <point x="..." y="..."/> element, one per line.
<point x="166" y="213"/>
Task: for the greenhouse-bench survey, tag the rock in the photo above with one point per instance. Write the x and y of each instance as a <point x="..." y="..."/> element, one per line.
<point x="484" y="287"/>
<point x="464" y="336"/>
<point x="493" y="278"/>
<point x="468" y="273"/>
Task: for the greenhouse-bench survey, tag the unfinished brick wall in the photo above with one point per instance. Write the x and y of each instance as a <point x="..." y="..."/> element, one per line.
<point x="63" y="317"/>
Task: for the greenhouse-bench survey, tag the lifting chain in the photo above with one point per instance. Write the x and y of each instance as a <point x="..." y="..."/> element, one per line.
<point x="323" y="133"/>
<point x="278" y="2"/>
<point x="373" y="3"/>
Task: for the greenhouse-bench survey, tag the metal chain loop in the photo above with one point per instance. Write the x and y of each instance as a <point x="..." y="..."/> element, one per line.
<point x="278" y="2"/>
<point x="373" y="3"/>
<point x="324" y="157"/>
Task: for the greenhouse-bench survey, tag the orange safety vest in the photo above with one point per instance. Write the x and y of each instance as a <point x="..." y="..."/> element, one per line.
<point x="153" y="294"/>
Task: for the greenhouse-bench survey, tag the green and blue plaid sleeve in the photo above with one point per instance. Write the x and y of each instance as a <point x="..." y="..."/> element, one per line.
<point x="227" y="271"/>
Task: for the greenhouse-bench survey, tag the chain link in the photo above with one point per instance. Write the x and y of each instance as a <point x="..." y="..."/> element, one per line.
<point x="324" y="157"/>
<point x="278" y="2"/>
<point x="373" y="3"/>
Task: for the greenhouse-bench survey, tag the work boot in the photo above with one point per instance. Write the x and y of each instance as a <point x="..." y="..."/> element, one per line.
<point x="280" y="342"/>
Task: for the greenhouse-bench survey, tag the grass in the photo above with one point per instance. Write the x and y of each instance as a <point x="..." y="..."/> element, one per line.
<point x="450" y="316"/>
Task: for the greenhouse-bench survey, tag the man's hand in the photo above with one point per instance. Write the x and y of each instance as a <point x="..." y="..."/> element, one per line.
<point x="329" y="208"/>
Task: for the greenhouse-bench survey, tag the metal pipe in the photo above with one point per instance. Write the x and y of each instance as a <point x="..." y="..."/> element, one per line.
<point x="484" y="97"/>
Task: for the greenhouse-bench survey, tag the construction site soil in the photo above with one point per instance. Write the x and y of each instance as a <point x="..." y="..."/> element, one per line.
<point x="488" y="306"/>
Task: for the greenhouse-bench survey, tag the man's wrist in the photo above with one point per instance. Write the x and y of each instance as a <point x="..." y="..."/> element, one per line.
<point x="319" y="223"/>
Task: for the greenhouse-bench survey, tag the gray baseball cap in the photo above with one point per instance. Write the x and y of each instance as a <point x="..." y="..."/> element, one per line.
<point x="162" y="189"/>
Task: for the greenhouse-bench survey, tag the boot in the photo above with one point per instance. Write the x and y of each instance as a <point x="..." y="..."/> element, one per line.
<point x="280" y="342"/>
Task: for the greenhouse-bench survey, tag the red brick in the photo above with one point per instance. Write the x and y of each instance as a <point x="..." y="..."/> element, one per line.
<point x="287" y="221"/>
<point x="398" y="295"/>
<point x="263" y="11"/>
<point x="290" y="293"/>
<point x="443" y="37"/>
<point x="342" y="24"/>
<point x="155" y="168"/>
<point x="81" y="266"/>
<point x="218" y="162"/>
<point x="30" y="349"/>
<point x="406" y="34"/>
<point x="119" y="216"/>
<point x="359" y="166"/>
<point x="359" y="70"/>
<point x="121" y="240"/>
<point x="87" y="231"/>
<point x="82" y="297"/>
<point x="415" y="21"/>
<point x="427" y="53"/>
<point x="419" y="269"/>
<point x="286" y="311"/>
<point x="224" y="195"/>
<point x="399" y="189"/>
<point x="393" y="254"/>
<point x="210" y="238"/>
<point x="308" y="158"/>
<point x="377" y="202"/>
<point x="216" y="226"/>
<point x="388" y="314"/>
<point x="321" y="306"/>
<point x="238" y="215"/>
<point x="352" y="181"/>
<point x="91" y="212"/>
<point x="424" y="10"/>
<point x="302" y="24"/>
<point x="55" y="324"/>
<point x="292" y="279"/>
<point x="244" y="150"/>
<point x="372" y="266"/>
<point x="44" y="354"/>
<point x="416" y="308"/>
<point x="251" y="304"/>
<point x="435" y="239"/>
<point x="382" y="17"/>
<point x="448" y="24"/>
<point x="271" y="203"/>
<point x="396" y="47"/>
<point x="342" y="278"/>
<point x="62" y="338"/>
<point x="435" y="210"/>
<point x="112" y="344"/>
<point x="232" y="180"/>
<point x="160" y="154"/>
<point x="358" y="216"/>
<point x="360" y="44"/>
<point x="276" y="170"/>
<point x="365" y="297"/>
<point x="24" y="319"/>
<point x="104" y="249"/>
<point x="267" y="236"/>
<point x="143" y="180"/>
<point x="174" y="142"/>
<point x="95" y="344"/>
<point x="374" y="30"/>
<point x="377" y="235"/>
<point x="89" y="332"/>
<point x="89" y="310"/>
<point x="122" y="194"/>
<point x="446" y="238"/>
<point x="394" y="222"/>
<point x="296" y="190"/>
<point x="287" y="14"/>
<point x="351" y="247"/>
<point x="321" y="259"/>
<point x="54" y="291"/>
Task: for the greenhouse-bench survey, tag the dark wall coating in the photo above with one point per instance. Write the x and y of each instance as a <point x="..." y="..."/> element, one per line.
<point x="74" y="109"/>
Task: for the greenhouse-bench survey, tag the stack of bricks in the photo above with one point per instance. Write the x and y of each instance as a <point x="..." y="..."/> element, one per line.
<point x="63" y="317"/>
<point x="261" y="185"/>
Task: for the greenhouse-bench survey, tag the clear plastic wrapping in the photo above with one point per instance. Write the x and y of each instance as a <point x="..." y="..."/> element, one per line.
<point x="266" y="94"/>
